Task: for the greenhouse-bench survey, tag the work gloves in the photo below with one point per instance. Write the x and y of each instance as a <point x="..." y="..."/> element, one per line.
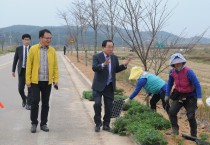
<point x="200" y="103"/>
<point x="127" y="100"/>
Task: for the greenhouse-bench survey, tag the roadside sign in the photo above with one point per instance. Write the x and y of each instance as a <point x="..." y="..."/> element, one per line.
<point x="162" y="45"/>
<point x="71" y="40"/>
<point x="159" y="45"/>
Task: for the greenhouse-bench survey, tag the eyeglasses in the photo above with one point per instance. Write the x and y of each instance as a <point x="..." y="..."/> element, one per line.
<point x="25" y="39"/>
<point x="48" y="38"/>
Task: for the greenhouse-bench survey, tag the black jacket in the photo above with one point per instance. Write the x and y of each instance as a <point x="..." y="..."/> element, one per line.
<point x="18" y="58"/>
<point x="101" y="74"/>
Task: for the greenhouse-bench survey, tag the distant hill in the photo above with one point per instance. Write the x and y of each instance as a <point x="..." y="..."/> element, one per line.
<point x="13" y="35"/>
<point x="17" y="31"/>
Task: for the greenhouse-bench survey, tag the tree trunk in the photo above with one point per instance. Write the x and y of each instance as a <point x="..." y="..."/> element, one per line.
<point x="86" y="58"/>
<point x="95" y="43"/>
<point x="83" y="43"/>
<point x="71" y="49"/>
<point x="77" y="54"/>
<point x="145" y="65"/>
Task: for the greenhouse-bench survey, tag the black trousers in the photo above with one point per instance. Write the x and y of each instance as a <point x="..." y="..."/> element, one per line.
<point x="44" y="89"/>
<point x="108" y="95"/>
<point x="155" y="98"/>
<point x="21" y="87"/>
<point x="190" y="104"/>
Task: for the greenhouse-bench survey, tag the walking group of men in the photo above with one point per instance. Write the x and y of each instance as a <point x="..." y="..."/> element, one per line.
<point x="38" y="69"/>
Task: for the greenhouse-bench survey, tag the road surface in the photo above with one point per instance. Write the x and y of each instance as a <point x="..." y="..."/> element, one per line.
<point x="70" y="117"/>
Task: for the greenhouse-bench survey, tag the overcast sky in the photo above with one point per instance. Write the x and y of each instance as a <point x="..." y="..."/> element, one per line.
<point x="191" y="14"/>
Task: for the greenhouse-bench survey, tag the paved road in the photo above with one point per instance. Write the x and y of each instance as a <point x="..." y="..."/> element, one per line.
<point x="70" y="119"/>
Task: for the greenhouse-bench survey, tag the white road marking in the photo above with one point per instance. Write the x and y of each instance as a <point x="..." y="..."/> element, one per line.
<point x="5" y="64"/>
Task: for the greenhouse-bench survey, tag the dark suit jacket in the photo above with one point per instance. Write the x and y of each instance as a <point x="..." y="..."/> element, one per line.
<point x="18" y="58"/>
<point x="101" y="74"/>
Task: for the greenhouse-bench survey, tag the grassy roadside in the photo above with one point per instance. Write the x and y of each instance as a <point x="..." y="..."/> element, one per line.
<point x="202" y="114"/>
<point x="200" y="56"/>
<point x="7" y="50"/>
<point x="139" y="121"/>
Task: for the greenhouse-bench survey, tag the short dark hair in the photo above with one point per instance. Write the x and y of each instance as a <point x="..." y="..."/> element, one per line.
<point x="41" y="32"/>
<point x="105" y="42"/>
<point x="26" y="36"/>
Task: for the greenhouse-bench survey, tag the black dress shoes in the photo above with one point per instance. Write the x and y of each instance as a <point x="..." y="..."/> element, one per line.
<point x="97" y="127"/>
<point x="33" y="128"/>
<point x="23" y="104"/>
<point x="28" y="107"/>
<point x="44" y="128"/>
<point x="106" y="128"/>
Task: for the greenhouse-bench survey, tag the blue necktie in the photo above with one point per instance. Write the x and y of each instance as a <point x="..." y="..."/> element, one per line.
<point x="109" y="73"/>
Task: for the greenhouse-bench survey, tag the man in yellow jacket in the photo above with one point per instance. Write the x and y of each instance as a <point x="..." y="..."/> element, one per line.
<point x="41" y="73"/>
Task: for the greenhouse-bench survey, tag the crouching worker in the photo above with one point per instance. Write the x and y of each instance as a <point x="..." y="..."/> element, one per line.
<point x="187" y="93"/>
<point x="152" y="84"/>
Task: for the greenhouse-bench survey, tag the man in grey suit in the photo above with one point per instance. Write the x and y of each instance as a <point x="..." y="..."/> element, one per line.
<point x="20" y="57"/>
<point x="105" y="65"/>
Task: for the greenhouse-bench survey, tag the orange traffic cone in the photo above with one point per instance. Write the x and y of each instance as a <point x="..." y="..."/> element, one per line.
<point x="1" y="105"/>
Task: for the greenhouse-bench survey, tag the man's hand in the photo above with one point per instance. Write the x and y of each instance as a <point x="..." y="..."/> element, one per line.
<point x="107" y="61"/>
<point x="127" y="61"/>
<point x="28" y="85"/>
<point x="127" y="100"/>
<point x="13" y="74"/>
<point x="55" y="85"/>
<point x="200" y="103"/>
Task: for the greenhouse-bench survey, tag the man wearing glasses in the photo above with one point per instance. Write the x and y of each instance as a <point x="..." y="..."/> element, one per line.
<point x="41" y="73"/>
<point x="20" y="57"/>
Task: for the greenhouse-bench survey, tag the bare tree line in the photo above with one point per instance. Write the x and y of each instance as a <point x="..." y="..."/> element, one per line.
<point x="138" y="22"/>
<point x="2" y="42"/>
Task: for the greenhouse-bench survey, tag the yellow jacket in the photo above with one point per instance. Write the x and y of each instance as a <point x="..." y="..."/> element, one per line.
<point x="33" y="65"/>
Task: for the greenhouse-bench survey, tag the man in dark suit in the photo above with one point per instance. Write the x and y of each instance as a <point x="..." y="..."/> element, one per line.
<point x="20" y="58"/>
<point x="105" y="65"/>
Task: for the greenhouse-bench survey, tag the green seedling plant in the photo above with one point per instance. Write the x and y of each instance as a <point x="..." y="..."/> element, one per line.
<point x="144" y="124"/>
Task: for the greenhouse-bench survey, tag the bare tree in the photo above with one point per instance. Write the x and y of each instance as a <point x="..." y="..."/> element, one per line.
<point x="142" y="21"/>
<point x="72" y="28"/>
<point x="80" y="14"/>
<point x="93" y="10"/>
<point x="64" y="15"/>
<point x="110" y="11"/>
<point x="161" y="54"/>
<point x="75" y="36"/>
